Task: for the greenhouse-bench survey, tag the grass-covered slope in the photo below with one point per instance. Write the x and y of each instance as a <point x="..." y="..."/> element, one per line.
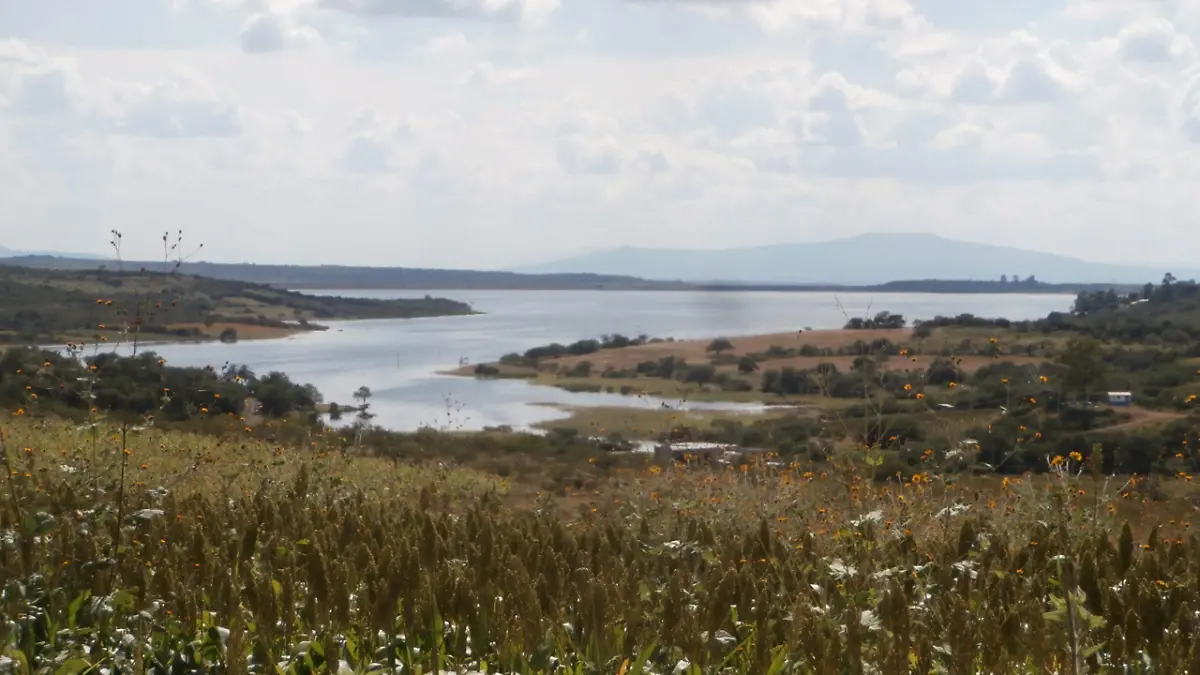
<point x="233" y="555"/>
<point x="48" y="305"/>
<point x="1156" y="314"/>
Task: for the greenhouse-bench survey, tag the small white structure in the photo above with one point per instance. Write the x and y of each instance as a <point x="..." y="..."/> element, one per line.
<point x="1120" y="398"/>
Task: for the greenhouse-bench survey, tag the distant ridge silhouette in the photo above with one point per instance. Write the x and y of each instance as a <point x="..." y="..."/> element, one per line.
<point x="862" y="259"/>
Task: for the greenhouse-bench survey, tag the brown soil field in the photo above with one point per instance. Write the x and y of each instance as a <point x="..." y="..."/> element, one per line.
<point x="693" y="350"/>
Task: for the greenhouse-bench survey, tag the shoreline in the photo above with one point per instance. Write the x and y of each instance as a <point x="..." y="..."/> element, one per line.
<point x="696" y="348"/>
<point x="250" y="332"/>
<point x="1065" y="289"/>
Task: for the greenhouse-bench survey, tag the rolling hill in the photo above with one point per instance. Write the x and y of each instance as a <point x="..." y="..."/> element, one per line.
<point x="863" y="259"/>
<point x="6" y="252"/>
<point x="349" y="277"/>
<point x="41" y="305"/>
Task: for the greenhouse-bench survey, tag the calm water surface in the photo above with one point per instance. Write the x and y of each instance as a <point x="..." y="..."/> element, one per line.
<point x="400" y="359"/>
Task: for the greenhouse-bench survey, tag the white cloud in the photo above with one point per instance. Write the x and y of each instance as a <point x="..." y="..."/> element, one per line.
<point x="183" y="103"/>
<point x="583" y="154"/>
<point x="1190" y="109"/>
<point x="719" y="122"/>
<point x="375" y="143"/>
<point x="779" y="15"/>
<point x="1033" y="79"/>
<point x="654" y="161"/>
<point x="1154" y="41"/>
<point x="450" y="44"/>
<point x="16" y="52"/>
<point x="974" y="83"/>
<point x="274" y="32"/>
<point x="491" y="10"/>
<point x="489" y="74"/>
<point x="365" y="153"/>
<point x="43" y="92"/>
<point x="186" y="106"/>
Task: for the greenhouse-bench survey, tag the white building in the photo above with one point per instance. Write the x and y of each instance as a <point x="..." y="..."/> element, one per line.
<point x="1120" y="398"/>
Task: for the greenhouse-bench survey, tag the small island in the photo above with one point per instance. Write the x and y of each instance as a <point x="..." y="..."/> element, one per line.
<point x="39" y="306"/>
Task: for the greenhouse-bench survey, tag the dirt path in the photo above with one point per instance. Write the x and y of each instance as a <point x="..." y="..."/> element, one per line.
<point x="251" y="413"/>
<point x="1144" y="418"/>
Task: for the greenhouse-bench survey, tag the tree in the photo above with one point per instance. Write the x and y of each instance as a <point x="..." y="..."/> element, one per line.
<point x="1166" y="291"/>
<point x="278" y="395"/>
<point x="1111" y="300"/>
<point x="1083" y="359"/>
<point x="702" y="374"/>
<point x="747" y="365"/>
<point x="719" y="345"/>
<point x="942" y="371"/>
<point x="1003" y="278"/>
<point x="229" y="335"/>
<point x="881" y="320"/>
<point x="864" y="365"/>
<point x="363" y="396"/>
<point x="888" y="320"/>
<point x="363" y="418"/>
<point x="581" y="369"/>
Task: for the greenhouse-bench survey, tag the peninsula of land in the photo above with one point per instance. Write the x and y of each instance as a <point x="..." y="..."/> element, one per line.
<point x="40" y="306"/>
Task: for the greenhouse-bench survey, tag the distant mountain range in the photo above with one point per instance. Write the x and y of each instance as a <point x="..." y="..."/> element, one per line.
<point x="858" y="260"/>
<point x="348" y="277"/>
<point x="6" y="252"/>
<point x="892" y="263"/>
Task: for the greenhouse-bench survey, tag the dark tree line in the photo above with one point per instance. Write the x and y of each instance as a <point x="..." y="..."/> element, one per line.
<point x="144" y="385"/>
<point x="880" y="320"/>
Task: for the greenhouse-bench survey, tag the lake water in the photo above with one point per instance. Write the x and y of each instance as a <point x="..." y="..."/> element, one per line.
<point x="400" y="359"/>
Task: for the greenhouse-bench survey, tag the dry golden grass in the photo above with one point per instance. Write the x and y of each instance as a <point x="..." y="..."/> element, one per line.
<point x="233" y="464"/>
<point x="649" y="422"/>
<point x="694" y="350"/>
<point x="264" y="558"/>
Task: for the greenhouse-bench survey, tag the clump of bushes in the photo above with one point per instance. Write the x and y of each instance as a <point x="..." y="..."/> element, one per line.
<point x="143" y="385"/>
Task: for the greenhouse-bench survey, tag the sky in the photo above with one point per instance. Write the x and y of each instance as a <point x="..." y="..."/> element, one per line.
<point x="496" y="133"/>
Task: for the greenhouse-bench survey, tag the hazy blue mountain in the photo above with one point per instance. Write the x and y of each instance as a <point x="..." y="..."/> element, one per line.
<point x="347" y="277"/>
<point x="863" y="259"/>
<point x="6" y="252"/>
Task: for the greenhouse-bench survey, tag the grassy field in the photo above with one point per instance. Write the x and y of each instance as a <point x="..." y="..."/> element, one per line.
<point x="875" y="533"/>
<point x="232" y="555"/>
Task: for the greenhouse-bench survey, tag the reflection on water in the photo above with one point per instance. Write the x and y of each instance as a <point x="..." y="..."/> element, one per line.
<point x="400" y="359"/>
